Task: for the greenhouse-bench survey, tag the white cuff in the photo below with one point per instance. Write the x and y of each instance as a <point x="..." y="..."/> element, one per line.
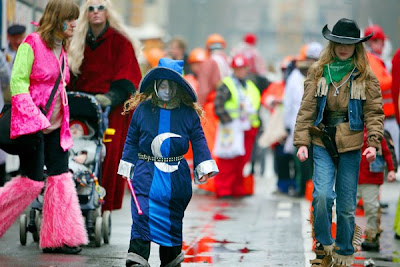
<point x="206" y="167"/>
<point x="126" y="169"/>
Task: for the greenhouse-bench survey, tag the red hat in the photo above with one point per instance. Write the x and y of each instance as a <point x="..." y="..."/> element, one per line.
<point x="250" y="38"/>
<point x="378" y="32"/>
<point x="239" y="61"/>
<point x="80" y="124"/>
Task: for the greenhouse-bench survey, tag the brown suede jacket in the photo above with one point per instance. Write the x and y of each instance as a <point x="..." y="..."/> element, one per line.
<point x="367" y="90"/>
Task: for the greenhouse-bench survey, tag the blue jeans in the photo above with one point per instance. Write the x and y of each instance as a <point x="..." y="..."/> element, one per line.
<point x="346" y="177"/>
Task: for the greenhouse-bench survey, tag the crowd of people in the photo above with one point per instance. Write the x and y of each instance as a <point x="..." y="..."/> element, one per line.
<point x="331" y="118"/>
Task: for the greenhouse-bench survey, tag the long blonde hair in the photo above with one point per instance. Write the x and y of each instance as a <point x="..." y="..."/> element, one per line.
<point x="149" y="93"/>
<point x="78" y="42"/>
<point x="52" y="22"/>
<point x="328" y="55"/>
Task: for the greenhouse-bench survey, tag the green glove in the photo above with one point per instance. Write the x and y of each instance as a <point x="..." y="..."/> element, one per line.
<point x="103" y="100"/>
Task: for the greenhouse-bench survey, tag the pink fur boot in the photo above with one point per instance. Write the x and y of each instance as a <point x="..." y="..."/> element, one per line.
<point x="15" y="196"/>
<point x="62" y="217"/>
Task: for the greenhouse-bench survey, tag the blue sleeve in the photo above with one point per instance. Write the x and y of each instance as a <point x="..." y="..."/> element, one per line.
<point x="131" y="147"/>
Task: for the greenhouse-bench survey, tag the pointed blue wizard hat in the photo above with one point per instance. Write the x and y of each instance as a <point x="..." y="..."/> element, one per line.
<point x="167" y="69"/>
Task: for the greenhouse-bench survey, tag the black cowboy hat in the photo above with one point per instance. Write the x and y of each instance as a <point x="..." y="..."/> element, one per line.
<point x="345" y="31"/>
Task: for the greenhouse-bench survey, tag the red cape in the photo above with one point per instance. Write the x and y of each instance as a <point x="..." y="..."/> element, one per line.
<point x="112" y="60"/>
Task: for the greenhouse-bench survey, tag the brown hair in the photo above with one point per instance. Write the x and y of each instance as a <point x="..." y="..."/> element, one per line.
<point x="52" y="22"/>
<point x="180" y="42"/>
<point x="328" y="55"/>
<point x="149" y="93"/>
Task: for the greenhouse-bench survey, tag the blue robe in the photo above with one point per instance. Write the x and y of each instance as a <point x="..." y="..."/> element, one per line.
<point x="163" y="189"/>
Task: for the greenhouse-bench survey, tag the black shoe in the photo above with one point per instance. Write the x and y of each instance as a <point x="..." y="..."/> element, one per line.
<point x="63" y="250"/>
<point x="383" y="205"/>
<point x="370" y="246"/>
<point x="396" y="236"/>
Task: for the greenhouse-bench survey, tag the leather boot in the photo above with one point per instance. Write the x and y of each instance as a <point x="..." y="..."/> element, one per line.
<point x="323" y="259"/>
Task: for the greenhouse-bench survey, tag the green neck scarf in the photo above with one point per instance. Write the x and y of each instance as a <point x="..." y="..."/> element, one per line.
<point x="338" y="69"/>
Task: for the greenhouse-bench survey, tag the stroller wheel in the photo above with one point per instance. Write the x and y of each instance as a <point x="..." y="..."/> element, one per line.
<point x="106" y="226"/>
<point x="98" y="231"/>
<point x="23" y="223"/>
<point x="38" y="222"/>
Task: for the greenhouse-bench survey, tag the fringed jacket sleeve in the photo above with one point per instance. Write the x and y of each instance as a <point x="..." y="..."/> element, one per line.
<point x="307" y="114"/>
<point x="373" y="112"/>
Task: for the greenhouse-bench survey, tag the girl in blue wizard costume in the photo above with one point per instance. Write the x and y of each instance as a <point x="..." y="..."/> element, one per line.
<point x="166" y="118"/>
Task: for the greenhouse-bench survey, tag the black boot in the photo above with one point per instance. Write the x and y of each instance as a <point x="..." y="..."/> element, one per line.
<point x="177" y="261"/>
<point x="138" y="253"/>
<point x="63" y="250"/>
<point x="135" y="260"/>
<point x="371" y="242"/>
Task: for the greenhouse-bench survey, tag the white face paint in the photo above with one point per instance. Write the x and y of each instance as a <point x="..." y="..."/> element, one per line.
<point x="165" y="91"/>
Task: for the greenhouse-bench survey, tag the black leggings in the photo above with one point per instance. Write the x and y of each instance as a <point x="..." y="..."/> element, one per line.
<point x="49" y="153"/>
<point x="142" y="248"/>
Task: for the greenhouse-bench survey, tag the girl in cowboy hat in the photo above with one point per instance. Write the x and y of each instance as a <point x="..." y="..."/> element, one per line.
<point x="341" y="95"/>
<point x="166" y="118"/>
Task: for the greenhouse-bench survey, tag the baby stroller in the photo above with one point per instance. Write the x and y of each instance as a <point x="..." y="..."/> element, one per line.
<point x="83" y="107"/>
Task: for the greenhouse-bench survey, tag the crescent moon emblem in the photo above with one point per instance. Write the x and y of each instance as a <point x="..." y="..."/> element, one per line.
<point x="156" y="149"/>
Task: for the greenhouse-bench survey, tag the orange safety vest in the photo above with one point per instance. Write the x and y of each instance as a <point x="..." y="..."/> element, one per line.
<point x="385" y="81"/>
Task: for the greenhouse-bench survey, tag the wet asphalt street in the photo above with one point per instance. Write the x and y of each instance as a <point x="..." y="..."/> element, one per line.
<point x="266" y="229"/>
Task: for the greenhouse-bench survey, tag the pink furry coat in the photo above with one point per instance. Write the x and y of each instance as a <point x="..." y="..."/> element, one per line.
<point x="33" y="77"/>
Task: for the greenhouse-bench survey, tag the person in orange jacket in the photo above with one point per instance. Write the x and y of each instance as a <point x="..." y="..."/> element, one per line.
<point x="214" y="69"/>
<point x="209" y="123"/>
<point x="374" y="52"/>
<point x="195" y="59"/>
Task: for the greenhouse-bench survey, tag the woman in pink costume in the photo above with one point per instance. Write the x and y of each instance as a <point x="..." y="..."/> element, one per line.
<point x="39" y="61"/>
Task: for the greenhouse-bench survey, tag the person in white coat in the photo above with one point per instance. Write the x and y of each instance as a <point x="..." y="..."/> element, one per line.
<point x="294" y="90"/>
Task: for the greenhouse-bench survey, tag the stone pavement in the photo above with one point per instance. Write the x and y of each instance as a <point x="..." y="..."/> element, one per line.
<point x="266" y="229"/>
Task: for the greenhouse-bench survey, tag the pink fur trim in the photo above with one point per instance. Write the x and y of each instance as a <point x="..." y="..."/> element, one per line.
<point x="62" y="217"/>
<point x="26" y="117"/>
<point x="15" y="196"/>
